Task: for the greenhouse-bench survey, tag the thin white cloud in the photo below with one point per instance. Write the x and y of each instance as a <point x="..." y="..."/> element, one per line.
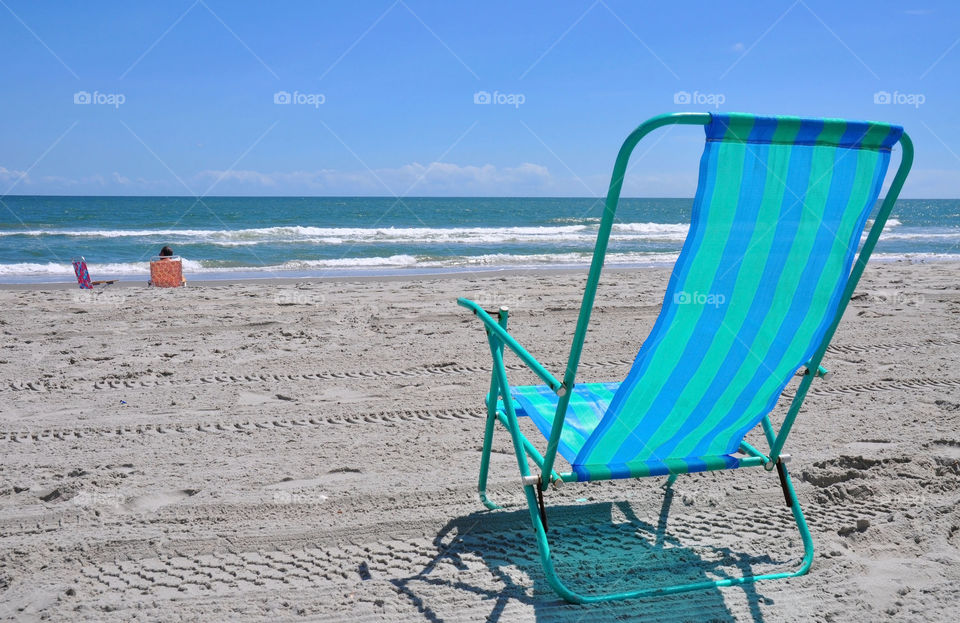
<point x="417" y="179"/>
<point x="11" y="175"/>
<point x="435" y="178"/>
<point x="238" y="176"/>
<point x="52" y="183"/>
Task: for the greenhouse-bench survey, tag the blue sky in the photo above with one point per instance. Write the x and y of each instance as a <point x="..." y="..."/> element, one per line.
<point x="187" y="98"/>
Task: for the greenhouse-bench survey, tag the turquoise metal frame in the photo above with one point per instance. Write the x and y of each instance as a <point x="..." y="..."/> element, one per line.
<point x="498" y="338"/>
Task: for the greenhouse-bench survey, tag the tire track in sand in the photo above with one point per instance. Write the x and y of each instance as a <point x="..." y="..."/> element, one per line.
<point x="247" y="379"/>
<point x="406" y="416"/>
<point x="433" y="370"/>
<point x="484" y="556"/>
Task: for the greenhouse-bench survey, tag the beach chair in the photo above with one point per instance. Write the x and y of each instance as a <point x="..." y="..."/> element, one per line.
<point x="83" y="275"/>
<point x="756" y="294"/>
<point x="166" y="272"/>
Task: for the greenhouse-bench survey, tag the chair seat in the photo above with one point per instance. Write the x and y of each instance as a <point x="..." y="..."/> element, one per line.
<point x="588" y="403"/>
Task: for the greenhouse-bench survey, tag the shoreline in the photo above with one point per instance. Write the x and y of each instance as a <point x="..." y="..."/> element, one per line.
<point x="395" y="274"/>
<point x="346" y="276"/>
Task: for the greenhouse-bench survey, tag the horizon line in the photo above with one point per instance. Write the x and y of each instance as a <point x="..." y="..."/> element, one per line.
<point x="202" y="197"/>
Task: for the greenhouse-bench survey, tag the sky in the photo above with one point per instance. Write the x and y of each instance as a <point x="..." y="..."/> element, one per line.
<point x="438" y="98"/>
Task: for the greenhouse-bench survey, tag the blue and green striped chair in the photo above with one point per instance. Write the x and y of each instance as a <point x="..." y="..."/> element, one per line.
<point x="756" y="294"/>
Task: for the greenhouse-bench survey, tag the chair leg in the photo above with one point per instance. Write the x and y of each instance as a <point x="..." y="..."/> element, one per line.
<point x="485" y="463"/>
<point x="492" y="397"/>
<point x="561" y="589"/>
<point x="665" y="510"/>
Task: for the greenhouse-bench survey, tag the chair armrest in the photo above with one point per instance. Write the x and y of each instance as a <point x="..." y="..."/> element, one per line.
<point x="493" y="327"/>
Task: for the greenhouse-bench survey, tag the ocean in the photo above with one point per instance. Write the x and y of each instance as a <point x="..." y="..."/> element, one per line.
<point x="234" y="237"/>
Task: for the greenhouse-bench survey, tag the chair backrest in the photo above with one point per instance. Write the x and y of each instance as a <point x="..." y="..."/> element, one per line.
<point x="778" y="215"/>
<point x="166" y="272"/>
<point x="83" y="275"/>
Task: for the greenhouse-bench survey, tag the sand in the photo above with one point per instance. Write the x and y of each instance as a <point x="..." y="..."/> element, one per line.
<point x="308" y="450"/>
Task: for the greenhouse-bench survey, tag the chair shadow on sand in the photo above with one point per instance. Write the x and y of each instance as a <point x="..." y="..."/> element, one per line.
<point x="492" y="556"/>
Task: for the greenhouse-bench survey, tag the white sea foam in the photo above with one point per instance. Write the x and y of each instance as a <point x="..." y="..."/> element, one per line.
<point x="96" y="270"/>
<point x="954" y="235"/>
<point x="298" y="231"/>
<point x="566" y="242"/>
<point x="504" y="259"/>
<point x="338" y="235"/>
<point x="345" y="262"/>
<point x="915" y="257"/>
<point x="297" y="234"/>
<point x="576" y="219"/>
<point x="393" y="261"/>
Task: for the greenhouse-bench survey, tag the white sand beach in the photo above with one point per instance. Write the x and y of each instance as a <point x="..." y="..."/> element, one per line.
<point x="309" y="450"/>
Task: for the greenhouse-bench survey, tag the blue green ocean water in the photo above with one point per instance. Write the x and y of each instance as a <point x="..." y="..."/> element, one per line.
<point x="229" y="237"/>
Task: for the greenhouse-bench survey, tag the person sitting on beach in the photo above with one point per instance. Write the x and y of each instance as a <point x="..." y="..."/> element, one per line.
<point x="166" y="254"/>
